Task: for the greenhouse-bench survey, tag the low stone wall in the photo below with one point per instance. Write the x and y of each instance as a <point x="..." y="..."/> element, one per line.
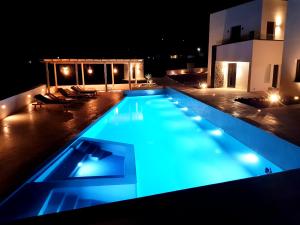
<point x="13" y="104"/>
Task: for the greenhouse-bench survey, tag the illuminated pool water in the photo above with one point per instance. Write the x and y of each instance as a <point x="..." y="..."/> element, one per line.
<point x="175" y="148"/>
<point x="143" y="146"/>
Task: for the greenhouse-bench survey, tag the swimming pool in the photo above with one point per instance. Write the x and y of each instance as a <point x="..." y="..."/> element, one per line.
<point x="152" y="142"/>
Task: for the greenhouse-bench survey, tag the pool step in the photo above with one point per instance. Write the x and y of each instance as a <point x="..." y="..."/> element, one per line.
<point x="82" y="150"/>
<point x="60" y="201"/>
<point x="91" y="148"/>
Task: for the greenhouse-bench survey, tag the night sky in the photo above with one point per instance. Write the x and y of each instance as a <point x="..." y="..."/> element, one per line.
<point x="144" y="29"/>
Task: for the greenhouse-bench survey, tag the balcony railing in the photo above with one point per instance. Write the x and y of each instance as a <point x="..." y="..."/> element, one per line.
<point x="250" y="36"/>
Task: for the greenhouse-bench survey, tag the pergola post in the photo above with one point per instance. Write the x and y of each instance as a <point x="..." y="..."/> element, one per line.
<point x="135" y="73"/>
<point x="47" y="77"/>
<point x="129" y="77"/>
<point x="105" y="76"/>
<point x="112" y="75"/>
<point x="76" y="73"/>
<point x="55" y="75"/>
<point x="82" y="73"/>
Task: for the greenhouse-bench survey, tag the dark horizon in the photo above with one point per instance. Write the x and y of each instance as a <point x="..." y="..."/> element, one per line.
<point x="124" y="30"/>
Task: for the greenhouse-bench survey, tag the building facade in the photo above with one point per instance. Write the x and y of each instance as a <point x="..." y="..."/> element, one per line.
<point x="246" y="46"/>
<point x="290" y="79"/>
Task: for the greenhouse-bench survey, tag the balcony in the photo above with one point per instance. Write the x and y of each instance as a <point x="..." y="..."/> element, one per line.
<point x="247" y="37"/>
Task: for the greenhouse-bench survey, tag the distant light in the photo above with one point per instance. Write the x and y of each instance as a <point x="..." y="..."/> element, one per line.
<point x="198" y="49"/>
<point x="79" y="164"/>
<point x="185" y="109"/>
<point x="115" y="70"/>
<point x="296" y="98"/>
<point x="173" y="56"/>
<point x="28" y="96"/>
<point x="176" y="103"/>
<point x="197" y="118"/>
<point x="217" y="132"/>
<point x="273" y="98"/>
<point x="3" y="107"/>
<point x="90" y="70"/>
<point x="203" y="85"/>
<point x="249" y="158"/>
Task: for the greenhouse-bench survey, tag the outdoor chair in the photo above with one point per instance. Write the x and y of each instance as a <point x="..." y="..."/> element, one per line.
<point x="44" y="100"/>
<point x="70" y="94"/>
<point x="79" y="90"/>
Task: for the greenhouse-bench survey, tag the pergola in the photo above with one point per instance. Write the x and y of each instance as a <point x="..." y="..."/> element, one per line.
<point x="129" y="66"/>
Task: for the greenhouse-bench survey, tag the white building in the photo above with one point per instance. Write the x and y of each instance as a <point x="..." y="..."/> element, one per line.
<point x="246" y="45"/>
<point x="290" y="80"/>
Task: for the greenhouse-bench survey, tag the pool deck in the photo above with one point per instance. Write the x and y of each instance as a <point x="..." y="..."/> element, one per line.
<point x="281" y="121"/>
<point x="30" y="137"/>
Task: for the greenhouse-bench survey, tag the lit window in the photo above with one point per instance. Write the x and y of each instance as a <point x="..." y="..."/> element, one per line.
<point x="297" y="79"/>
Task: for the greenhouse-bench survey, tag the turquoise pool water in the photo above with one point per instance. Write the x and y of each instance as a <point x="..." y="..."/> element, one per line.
<point x="143" y="146"/>
<point x="175" y="148"/>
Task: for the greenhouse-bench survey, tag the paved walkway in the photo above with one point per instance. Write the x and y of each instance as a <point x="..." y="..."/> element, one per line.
<point x="30" y="137"/>
<point x="282" y="121"/>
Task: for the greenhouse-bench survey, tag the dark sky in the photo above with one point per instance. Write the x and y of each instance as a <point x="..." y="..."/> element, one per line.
<point x="34" y="30"/>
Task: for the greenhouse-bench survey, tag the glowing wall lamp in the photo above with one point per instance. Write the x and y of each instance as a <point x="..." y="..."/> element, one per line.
<point x="278" y="23"/>
<point x="115" y="70"/>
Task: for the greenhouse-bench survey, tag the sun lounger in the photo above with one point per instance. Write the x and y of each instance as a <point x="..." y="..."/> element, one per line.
<point x="79" y="90"/>
<point x="70" y="94"/>
<point x="45" y="100"/>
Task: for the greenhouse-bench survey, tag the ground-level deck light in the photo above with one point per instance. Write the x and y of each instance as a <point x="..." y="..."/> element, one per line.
<point x="203" y="85"/>
<point x="274" y="98"/>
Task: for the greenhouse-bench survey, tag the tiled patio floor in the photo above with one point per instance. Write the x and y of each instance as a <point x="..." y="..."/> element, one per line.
<point x="30" y="137"/>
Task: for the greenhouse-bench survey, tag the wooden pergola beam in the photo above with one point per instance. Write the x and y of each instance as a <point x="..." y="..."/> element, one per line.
<point x="91" y="61"/>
